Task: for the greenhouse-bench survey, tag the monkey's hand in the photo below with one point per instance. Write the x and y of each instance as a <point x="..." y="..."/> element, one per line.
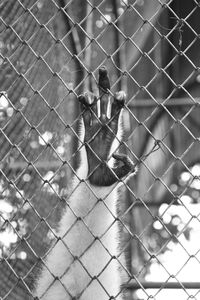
<point x="100" y="132"/>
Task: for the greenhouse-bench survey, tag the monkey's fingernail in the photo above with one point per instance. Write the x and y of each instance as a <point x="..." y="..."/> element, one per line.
<point x="120" y="96"/>
<point x="89" y="98"/>
<point x="103" y="70"/>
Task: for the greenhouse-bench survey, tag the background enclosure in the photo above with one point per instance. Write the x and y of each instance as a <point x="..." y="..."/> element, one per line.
<point x="50" y="51"/>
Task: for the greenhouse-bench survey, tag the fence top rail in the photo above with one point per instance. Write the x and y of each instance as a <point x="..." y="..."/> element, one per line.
<point x="160" y="284"/>
<point x="137" y="103"/>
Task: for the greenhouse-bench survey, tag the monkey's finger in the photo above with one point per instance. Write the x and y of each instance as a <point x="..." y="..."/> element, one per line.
<point x="85" y="109"/>
<point x="117" y="105"/>
<point x="127" y="167"/>
<point x="91" y="101"/>
<point x="104" y="82"/>
<point x="104" y="88"/>
<point x="94" y="107"/>
<point x="124" y="159"/>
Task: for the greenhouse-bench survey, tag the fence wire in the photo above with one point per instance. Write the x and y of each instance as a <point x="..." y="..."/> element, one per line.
<point x="50" y="52"/>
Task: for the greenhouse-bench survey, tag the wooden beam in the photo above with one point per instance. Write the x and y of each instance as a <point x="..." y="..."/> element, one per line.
<point x="140" y="103"/>
<point x="161" y="285"/>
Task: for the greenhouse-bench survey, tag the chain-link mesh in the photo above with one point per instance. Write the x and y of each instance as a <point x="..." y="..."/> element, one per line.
<point x="50" y="52"/>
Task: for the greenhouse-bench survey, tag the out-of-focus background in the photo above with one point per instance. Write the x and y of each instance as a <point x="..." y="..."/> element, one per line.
<point x="50" y="52"/>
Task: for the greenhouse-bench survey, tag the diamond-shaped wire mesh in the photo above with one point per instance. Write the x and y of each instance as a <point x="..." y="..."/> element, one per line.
<point x="50" y="52"/>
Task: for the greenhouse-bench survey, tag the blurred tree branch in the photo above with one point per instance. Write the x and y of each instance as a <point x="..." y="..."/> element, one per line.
<point x="74" y="38"/>
<point x="120" y="51"/>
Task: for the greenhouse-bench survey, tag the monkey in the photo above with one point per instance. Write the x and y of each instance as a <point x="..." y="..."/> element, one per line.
<point x="85" y="263"/>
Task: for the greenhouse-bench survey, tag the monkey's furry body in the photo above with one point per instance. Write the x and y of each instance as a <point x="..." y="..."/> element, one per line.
<point x="86" y="263"/>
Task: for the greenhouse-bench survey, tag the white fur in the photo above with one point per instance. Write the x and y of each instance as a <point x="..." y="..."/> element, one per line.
<point x="77" y="238"/>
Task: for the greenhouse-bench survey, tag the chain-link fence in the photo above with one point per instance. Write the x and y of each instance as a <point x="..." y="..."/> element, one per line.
<point x="50" y="52"/>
